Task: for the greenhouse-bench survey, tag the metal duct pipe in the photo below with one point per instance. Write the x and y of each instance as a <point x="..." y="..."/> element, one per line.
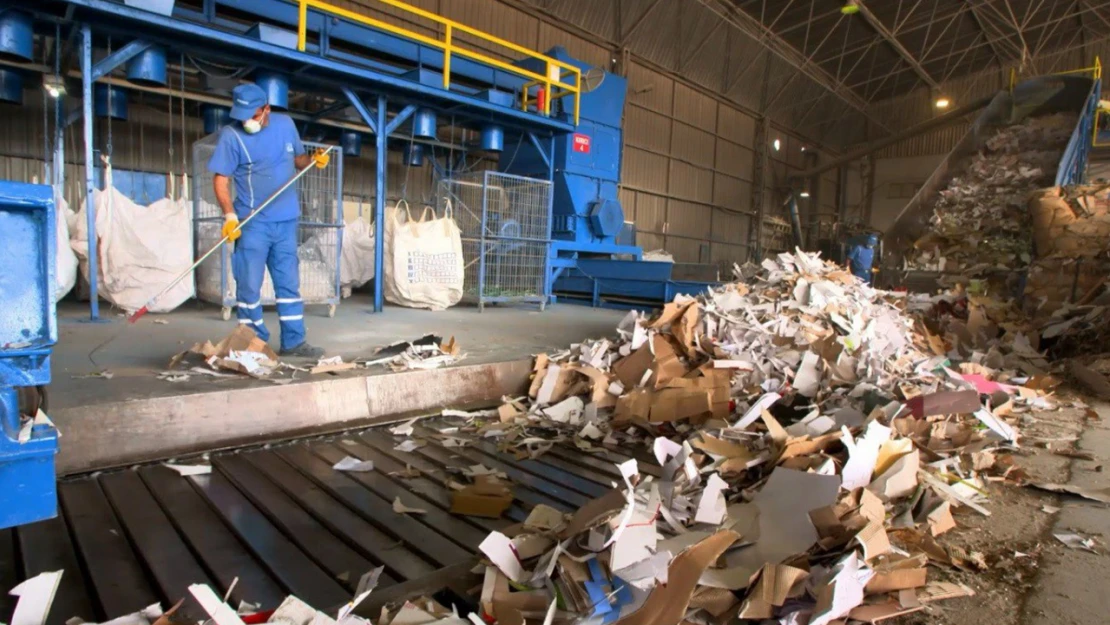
<point x="109" y="101"/>
<point x="149" y="67"/>
<point x="413" y="153"/>
<point x="492" y="138"/>
<point x="351" y="142"/>
<point x="215" y="117"/>
<point x="16" y="36"/>
<point x="424" y="123"/>
<point x="276" y="87"/>
<point x="11" y="86"/>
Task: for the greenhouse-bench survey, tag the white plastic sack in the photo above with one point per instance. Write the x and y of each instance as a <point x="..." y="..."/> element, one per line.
<point x="65" y="269"/>
<point x="356" y="259"/>
<point x="140" y="249"/>
<point x="423" y="260"/>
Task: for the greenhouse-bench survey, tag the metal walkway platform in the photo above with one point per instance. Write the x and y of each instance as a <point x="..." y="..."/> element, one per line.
<point x="282" y="521"/>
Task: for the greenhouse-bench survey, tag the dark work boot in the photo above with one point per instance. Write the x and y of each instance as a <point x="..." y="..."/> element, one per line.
<point x="304" y="350"/>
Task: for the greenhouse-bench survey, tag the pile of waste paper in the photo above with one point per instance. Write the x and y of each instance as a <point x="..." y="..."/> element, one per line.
<point x="980" y="222"/>
<point x="795" y="445"/>
<point x="242" y="353"/>
<point x="810" y="439"/>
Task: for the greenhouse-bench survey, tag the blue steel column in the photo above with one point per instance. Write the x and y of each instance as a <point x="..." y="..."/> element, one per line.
<point x="381" y="138"/>
<point x="90" y="211"/>
<point x="549" y="284"/>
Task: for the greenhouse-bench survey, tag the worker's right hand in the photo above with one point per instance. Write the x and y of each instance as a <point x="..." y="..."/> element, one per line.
<point x="231" y="225"/>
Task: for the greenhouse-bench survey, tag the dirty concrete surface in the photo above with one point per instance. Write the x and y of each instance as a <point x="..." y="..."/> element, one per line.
<point x="135" y="354"/>
<point x="1031" y="578"/>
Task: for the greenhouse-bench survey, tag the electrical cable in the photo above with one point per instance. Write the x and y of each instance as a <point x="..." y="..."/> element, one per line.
<point x="233" y="72"/>
<point x="184" y="125"/>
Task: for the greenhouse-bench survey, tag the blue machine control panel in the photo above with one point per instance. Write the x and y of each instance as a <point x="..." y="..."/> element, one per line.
<point x="28" y="331"/>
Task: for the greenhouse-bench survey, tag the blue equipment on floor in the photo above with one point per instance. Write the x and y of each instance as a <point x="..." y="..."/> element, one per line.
<point x="586" y="260"/>
<point x="28" y="331"/>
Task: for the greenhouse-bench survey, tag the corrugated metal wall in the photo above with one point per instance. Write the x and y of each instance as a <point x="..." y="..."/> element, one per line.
<point x="687" y="170"/>
<point x="917" y="106"/>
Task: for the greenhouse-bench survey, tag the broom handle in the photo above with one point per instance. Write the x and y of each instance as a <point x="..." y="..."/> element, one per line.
<point x="257" y="210"/>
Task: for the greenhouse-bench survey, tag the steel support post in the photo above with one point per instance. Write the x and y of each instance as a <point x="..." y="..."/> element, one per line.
<point x="381" y="139"/>
<point x="90" y="209"/>
<point x="550" y="286"/>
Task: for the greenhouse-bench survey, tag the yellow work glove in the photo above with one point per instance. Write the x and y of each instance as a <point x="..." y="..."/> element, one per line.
<point x="321" y="157"/>
<point x="231" y="223"/>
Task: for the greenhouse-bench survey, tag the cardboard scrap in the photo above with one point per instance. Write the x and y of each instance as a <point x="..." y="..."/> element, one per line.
<point x="667" y="604"/>
<point x="241" y="351"/>
<point x="186" y="470"/>
<point x="842" y="593"/>
<point x="711" y="506"/>
<point x="897" y="579"/>
<point x="333" y="364"/>
<point x="499" y="549"/>
<point x="36" y="595"/>
<point x="353" y="465"/>
<point x="776" y="583"/>
<point x="487" y="497"/>
<point x="1101" y="495"/>
<point x="945" y="402"/>
<point x="400" y="508"/>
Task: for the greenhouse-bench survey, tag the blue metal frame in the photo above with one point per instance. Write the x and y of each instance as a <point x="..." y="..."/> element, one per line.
<point x="319" y="67"/>
<point x="28" y="332"/>
<point x="90" y="183"/>
<point x="105" y="66"/>
<point x="224" y="38"/>
<point x="1073" y="164"/>
<point x="382" y="129"/>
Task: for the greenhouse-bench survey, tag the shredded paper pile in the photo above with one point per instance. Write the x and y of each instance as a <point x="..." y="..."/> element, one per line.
<point x="980" y="222"/>
<point x="805" y="441"/>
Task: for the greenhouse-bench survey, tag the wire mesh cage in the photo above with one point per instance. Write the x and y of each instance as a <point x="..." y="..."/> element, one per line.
<point x="506" y="234"/>
<point x="318" y="237"/>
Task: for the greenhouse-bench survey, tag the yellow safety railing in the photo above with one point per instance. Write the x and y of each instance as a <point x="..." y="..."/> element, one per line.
<point x="555" y="71"/>
<point x="1095" y="70"/>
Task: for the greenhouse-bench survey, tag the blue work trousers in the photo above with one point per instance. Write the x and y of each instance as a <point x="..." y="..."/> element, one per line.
<point x="270" y="244"/>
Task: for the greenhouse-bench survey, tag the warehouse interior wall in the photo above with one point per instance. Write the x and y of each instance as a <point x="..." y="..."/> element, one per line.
<point x="897" y="180"/>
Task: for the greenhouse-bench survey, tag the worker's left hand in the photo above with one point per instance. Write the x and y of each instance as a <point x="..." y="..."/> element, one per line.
<point x="321" y="157"/>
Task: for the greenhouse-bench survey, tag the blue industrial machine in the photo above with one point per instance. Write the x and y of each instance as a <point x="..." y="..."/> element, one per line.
<point x="588" y="260"/>
<point x="28" y="331"/>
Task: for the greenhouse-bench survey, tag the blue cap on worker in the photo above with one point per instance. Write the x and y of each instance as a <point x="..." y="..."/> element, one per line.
<point x="246" y="99"/>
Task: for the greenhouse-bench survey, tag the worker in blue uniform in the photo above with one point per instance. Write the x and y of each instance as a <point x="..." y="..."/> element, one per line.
<point x="261" y="152"/>
<point x="861" y="255"/>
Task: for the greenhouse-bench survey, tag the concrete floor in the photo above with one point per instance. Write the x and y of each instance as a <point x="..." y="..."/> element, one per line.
<point x="135" y="354"/>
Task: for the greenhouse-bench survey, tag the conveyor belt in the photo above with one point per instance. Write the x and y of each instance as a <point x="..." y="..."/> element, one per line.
<point x="280" y="520"/>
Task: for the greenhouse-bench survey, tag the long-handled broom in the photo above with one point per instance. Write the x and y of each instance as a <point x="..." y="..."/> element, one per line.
<point x="258" y="209"/>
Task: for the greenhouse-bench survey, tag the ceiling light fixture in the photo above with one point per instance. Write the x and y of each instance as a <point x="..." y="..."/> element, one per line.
<point x="942" y="102"/>
<point x="777" y="145"/>
<point x="804" y="194"/>
<point x="54" y="85"/>
<point x="851" y="7"/>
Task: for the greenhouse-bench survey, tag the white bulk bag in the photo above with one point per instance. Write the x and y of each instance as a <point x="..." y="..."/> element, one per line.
<point x="424" y="261"/>
<point x="356" y="259"/>
<point x="65" y="266"/>
<point x="140" y="249"/>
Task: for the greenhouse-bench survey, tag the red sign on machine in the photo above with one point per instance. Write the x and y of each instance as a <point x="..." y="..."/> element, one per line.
<point x="581" y="143"/>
